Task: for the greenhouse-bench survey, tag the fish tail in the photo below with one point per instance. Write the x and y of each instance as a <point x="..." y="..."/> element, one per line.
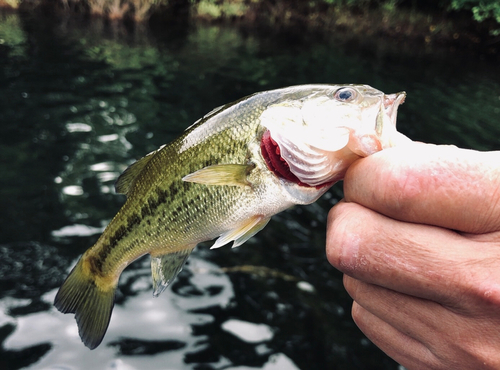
<point x="91" y="302"/>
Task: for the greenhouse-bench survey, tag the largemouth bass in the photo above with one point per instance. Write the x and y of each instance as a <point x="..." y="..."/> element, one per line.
<point x="224" y="178"/>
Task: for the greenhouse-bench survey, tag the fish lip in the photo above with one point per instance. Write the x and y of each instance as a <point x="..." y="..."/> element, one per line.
<point x="391" y="103"/>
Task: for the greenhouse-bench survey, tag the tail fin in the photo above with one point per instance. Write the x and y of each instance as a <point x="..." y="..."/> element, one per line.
<point x="91" y="305"/>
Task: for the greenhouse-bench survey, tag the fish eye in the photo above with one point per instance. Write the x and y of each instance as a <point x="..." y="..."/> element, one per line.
<point x="345" y="94"/>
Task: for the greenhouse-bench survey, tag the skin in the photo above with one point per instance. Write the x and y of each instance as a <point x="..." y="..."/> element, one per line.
<point x="418" y="240"/>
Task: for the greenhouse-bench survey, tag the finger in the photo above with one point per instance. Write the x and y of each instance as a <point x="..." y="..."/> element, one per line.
<point x="434" y="184"/>
<point x="431" y="333"/>
<point x="414" y="259"/>
<point x="405" y="350"/>
<point x="413" y="317"/>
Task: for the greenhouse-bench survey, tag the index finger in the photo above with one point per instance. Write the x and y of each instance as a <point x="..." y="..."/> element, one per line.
<point x="418" y="260"/>
<point x="432" y="184"/>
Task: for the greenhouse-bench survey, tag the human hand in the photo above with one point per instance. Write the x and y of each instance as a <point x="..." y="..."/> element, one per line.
<point x="418" y="239"/>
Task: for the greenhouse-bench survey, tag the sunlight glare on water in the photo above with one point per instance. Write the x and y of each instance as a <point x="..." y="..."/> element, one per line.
<point x="142" y="318"/>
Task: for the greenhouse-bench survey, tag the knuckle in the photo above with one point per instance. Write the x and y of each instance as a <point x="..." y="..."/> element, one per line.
<point x="350" y="234"/>
<point x="485" y="293"/>
<point x="478" y="287"/>
<point x="340" y="234"/>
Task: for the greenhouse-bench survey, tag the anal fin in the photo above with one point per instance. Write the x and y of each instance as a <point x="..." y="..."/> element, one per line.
<point x="165" y="268"/>
<point x="243" y="232"/>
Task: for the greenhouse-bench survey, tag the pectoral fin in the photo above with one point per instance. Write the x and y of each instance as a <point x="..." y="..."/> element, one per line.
<point x="165" y="267"/>
<point x="242" y="233"/>
<point x="221" y="174"/>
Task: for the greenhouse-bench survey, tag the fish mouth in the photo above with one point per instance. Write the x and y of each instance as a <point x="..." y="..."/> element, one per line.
<point x="391" y="103"/>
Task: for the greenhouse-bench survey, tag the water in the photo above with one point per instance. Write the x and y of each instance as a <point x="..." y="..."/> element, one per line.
<point x="81" y="101"/>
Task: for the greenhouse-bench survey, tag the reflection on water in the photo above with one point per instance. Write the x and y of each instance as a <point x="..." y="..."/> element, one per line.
<point x="82" y="102"/>
<point x="140" y="326"/>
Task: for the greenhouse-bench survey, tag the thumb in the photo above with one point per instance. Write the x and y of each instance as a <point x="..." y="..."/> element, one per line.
<point x="431" y="184"/>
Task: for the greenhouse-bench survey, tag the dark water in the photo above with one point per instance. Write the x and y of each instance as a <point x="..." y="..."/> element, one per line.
<point x="79" y="102"/>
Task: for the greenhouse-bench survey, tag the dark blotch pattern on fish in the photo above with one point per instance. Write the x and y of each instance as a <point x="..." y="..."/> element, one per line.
<point x="148" y="209"/>
<point x="95" y="265"/>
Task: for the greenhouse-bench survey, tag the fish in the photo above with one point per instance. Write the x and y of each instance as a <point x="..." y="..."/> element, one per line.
<point x="223" y="179"/>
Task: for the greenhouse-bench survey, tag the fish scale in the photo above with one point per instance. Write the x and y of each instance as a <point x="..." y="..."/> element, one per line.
<point x="218" y="180"/>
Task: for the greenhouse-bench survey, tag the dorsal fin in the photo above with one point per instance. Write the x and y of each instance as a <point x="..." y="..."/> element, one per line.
<point x="125" y="181"/>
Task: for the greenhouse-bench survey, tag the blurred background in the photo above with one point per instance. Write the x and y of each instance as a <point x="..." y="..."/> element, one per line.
<point x="89" y="86"/>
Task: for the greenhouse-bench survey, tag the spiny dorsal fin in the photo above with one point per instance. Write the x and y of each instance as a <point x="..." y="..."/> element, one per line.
<point x="242" y="233"/>
<point x="221" y="174"/>
<point x="165" y="267"/>
<point x="125" y="181"/>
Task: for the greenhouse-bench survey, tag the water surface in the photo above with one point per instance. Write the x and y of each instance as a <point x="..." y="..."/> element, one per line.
<point x="80" y="101"/>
